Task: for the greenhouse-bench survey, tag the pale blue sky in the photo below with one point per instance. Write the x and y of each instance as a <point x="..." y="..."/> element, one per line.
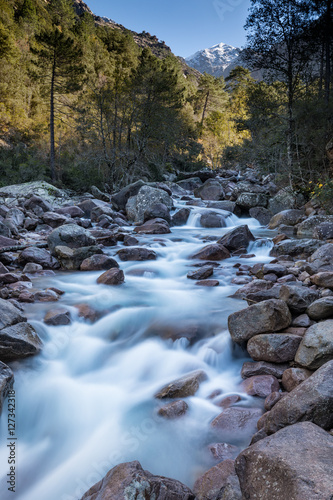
<point x="185" y="25"/>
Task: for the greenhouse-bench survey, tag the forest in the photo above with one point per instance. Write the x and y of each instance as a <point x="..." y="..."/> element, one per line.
<point x="82" y="104"/>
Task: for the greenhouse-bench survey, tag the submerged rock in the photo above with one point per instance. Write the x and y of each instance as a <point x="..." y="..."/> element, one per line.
<point x="183" y="387"/>
<point x="18" y="341"/>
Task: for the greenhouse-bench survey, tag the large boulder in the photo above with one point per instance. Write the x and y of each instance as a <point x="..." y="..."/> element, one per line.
<point x="316" y="347"/>
<point x="294" y="463"/>
<point x="212" y="219"/>
<point x="296" y="248"/>
<point x="146" y="198"/>
<point x="267" y="316"/>
<point x="298" y="298"/>
<point x="153" y="226"/>
<point x="98" y="262"/>
<point x="273" y="347"/>
<point x="136" y="253"/>
<point x="312" y="400"/>
<point x="180" y="218"/>
<point x="261" y="214"/>
<point x="324" y="279"/>
<point x="286" y="217"/>
<point x="260" y="385"/>
<point x="283" y="200"/>
<point x="70" y="235"/>
<point x="210" y="190"/>
<point x="39" y="256"/>
<point x="72" y="258"/>
<point x="240" y="237"/>
<point x="251" y="200"/>
<point x="120" y="199"/>
<point x="212" y="252"/>
<point x="158" y="211"/>
<point x="6" y="382"/>
<point x="307" y="227"/>
<point x="321" y="309"/>
<point x="9" y="314"/>
<point x="129" y="481"/>
<point x="218" y="483"/>
<point x="250" y="368"/>
<point x="183" y="387"/>
<point x="113" y="276"/>
<point x="237" y="423"/>
<point x="324" y="252"/>
<point x="49" y="193"/>
<point x="18" y="341"/>
<point x="53" y="219"/>
<point x="324" y="231"/>
<point x="37" y="205"/>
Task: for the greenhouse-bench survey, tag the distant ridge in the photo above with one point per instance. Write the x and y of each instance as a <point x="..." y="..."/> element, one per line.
<point x="216" y="60"/>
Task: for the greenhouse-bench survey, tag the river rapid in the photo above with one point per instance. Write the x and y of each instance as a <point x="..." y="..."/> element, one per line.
<point x="86" y="403"/>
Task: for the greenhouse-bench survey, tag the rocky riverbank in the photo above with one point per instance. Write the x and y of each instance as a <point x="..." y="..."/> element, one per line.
<point x="287" y="328"/>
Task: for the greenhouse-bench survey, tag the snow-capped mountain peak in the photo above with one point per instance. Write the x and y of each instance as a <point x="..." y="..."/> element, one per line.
<point x="214" y="60"/>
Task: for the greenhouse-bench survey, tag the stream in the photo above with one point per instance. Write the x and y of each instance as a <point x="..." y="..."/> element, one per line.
<point x="86" y="403"/>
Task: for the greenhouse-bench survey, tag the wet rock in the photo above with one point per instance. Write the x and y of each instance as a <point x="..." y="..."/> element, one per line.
<point x="323" y="231"/>
<point x="130" y="241"/>
<point x="130" y="481"/>
<point x="218" y="483"/>
<point x="237" y="423"/>
<point x="274" y="315"/>
<point x="157" y="211"/>
<point x="312" y="400"/>
<point x="98" y="262"/>
<point x="306" y="228"/>
<point x="229" y="206"/>
<point x="228" y="401"/>
<point x="146" y="198"/>
<point x="212" y="252"/>
<point x="72" y="258"/>
<point x="261" y="214"/>
<point x="45" y="296"/>
<point x="271" y="400"/>
<point x="54" y="219"/>
<point x="251" y="200"/>
<point x="294" y="463"/>
<point x="18" y="341"/>
<point x="108" y="240"/>
<point x="260" y="385"/>
<point x="113" y="276"/>
<point x="6" y="382"/>
<point x="208" y="283"/>
<point x="298" y="298"/>
<point x="287" y="217"/>
<point x="72" y="211"/>
<point x="321" y="309"/>
<point x="316" y="347"/>
<point x="136" y="253"/>
<point x="273" y="347"/>
<point x="180" y="218"/>
<point x="39" y="256"/>
<point x="296" y="248"/>
<point x="240" y="237"/>
<point x="324" y="279"/>
<point x="201" y="274"/>
<point x="70" y="235"/>
<point x="223" y="451"/>
<point x="210" y="190"/>
<point x="173" y="410"/>
<point x="87" y="312"/>
<point x="56" y="317"/>
<point x="251" y="369"/>
<point x="292" y="377"/>
<point x="153" y="226"/>
<point x="9" y="314"/>
<point x="212" y="219"/>
<point x="183" y="387"/>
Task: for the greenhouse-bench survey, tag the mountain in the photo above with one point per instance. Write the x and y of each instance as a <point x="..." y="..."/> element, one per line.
<point x="214" y="60"/>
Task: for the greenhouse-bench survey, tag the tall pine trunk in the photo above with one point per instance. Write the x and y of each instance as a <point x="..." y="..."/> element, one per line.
<point x="52" y="148"/>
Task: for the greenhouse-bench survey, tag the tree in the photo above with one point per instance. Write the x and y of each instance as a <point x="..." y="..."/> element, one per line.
<point x="211" y="95"/>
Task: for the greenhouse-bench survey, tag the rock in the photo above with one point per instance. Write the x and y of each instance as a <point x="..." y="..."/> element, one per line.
<point x="210" y="190"/>
<point x="6" y="382"/>
<point x="46" y="191"/>
<point x="190" y="184"/>
<point x="283" y="200"/>
<point x="296" y="248"/>
<point x="307" y="227"/>
<point x="218" y="483"/>
<point x="302" y="321"/>
<point x="208" y="283"/>
<point x="298" y="298"/>
<point x="7" y="242"/>
<point x="113" y="276"/>
<point x="54" y="219"/>
<point x="70" y="235"/>
<point x="9" y="314"/>
<point x="260" y="385"/>
<point x="251" y="369"/>
<point x="98" y="194"/>
<point x="16" y="216"/>
<point x="322" y="252"/>
<point x="229" y="206"/>
<point x="203" y="175"/>
<point x="228" y="401"/>
<point x="212" y="219"/>
<point x="237" y="423"/>
<point x="157" y="211"/>
<point x="146" y="198"/>
<point x="130" y="241"/>
<point x="273" y="347"/>
<point x="261" y="214"/>
<point x="271" y="400"/>
<point x="180" y="218"/>
<point x="30" y="224"/>
<point x="251" y="200"/>
<point x="130" y="481"/>
<point x="312" y="400"/>
<point x="73" y="210"/>
<point x="244" y="324"/>
<point x="37" y="205"/>
<point x="294" y="463"/>
<point x="183" y="387"/>
<point x="324" y="279"/>
<point x="201" y="274"/>
<point x="323" y="231"/>
<point x="321" y="309"/>
<point x="56" y="317"/>
<point x="3" y="269"/>
<point x="316" y="347"/>
<point x="101" y="211"/>
<point x="240" y="237"/>
<point x="173" y="410"/>
<point x="45" y="296"/>
<point x="72" y="258"/>
<point x="287" y="217"/>
<point x="292" y="377"/>
<point x="18" y="341"/>
<point x="153" y="226"/>
<point x="39" y="256"/>
<point x="4" y="230"/>
<point x="98" y="262"/>
<point x="87" y="312"/>
<point x="120" y="199"/>
<point x="87" y="206"/>
<point x="136" y="253"/>
<point x="253" y="287"/>
<point x="223" y="451"/>
<point x="108" y="240"/>
<point x="212" y="252"/>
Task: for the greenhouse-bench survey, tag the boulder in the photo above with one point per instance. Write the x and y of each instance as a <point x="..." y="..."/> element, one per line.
<point x="273" y="347"/>
<point x="294" y="463"/>
<point x="56" y="317"/>
<point x="253" y="287"/>
<point x="268" y="316"/>
<point x="298" y="298"/>
<point x="321" y="309"/>
<point x="292" y="377"/>
<point x="157" y="211"/>
<point x="72" y="258"/>
<point x="237" y="423"/>
<point x="154" y="226"/>
<point x="223" y="451"/>
<point x="287" y="217"/>
<point x="16" y="216"/>
<point x="283" y="200"/>
<point x="251" y="200"/>
<point x="46" y="191"/>
<point x="98" y="194"/>
<point x="260" y="385"/>
<point x="98" y="262"/>
<point x="7" y="242"/>
<point x="100" y="211"/>
<point x="251" y="369"/>
<point x="39" y="256"/>
<point x="201" y="274"/>
<point x="120" y="199"/>
<point x="70" y="235"/>
<point x="71" y="211"/>
<point x="54" y="219"/>
<point x="87" y="206"/>
<point x="130" y="481"/>
<point x="300" y="248"/>
<point x="6" y="382"/>
<point x="324" y="231"/>
<point x="316" y="347"/>
<point x="136" y="253"/>
<point x="190" y="184"/>
<point x="261" y="214"/>
<point x="208" y="283"/>
<point x="324" y="253"/>
<point x="218" y="483"/>
<point x="180" y="218"/>
<point x="307" y="227"/>
<point x="183" y="387"/>
<point x="9" y="314"/>
<point x="37" y="205"/>
<point x="18" y="341"/>
<point x="4" y="230"/>
<point x="324" y="279"/>
<point x="210" y="190"/>
<point x="227" y="401"/>
<point x="212" y="252"/>
<point x="240" y="237"/>
<point x="173" y="410"/>
<point x="113" y="276"/>
<point x="212" y="219"/>
<point x="312" y="400"/>
<point x="271" y="400"/>
<point x="227" y="205"/>
<point x="146" y="198"/>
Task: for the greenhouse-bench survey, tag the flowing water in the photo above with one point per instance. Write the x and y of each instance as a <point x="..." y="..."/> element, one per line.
<point x="86" y="403"/>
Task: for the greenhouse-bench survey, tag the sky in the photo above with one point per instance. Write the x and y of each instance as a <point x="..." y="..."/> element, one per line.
<point x="185" y="25"/>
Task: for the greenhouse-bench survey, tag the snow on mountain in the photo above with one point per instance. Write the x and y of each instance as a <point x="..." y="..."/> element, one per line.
<point x="214" y="60"/>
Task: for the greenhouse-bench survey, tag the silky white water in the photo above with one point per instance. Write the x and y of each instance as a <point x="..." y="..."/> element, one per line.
<point x="86" y="403"/>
